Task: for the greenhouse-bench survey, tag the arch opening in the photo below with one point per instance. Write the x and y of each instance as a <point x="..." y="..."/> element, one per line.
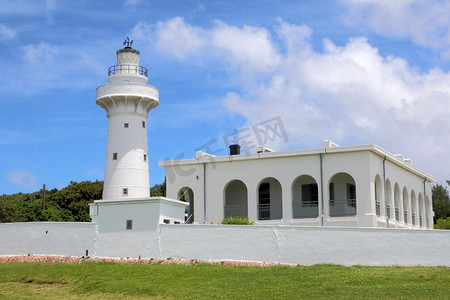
<point x="187" y="195"/>
<point x="305" y="198"/>
<point x="378" y="193"/>
<point x="397" y="202"/>
<point x="269" y="199"/>
<point x="405" y="205"/>
<point x="413" y="207"/>
<point x="342" y="189"/>
<point x="236" y="199"/>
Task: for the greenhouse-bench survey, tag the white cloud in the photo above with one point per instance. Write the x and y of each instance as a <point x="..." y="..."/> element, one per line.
<point x="350" y="93"/>
<point x="179" y="39"/>
<point x="426" y="23"/>
<point x="247" y="47"/>
<point x="22" y="178"/>
<point x="41" y="53"/>
<point x="6" y="33"/>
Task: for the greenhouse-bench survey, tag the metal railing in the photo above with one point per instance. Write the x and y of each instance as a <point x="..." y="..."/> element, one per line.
<point x="405" y="216"/>
<point x="413" y="217"/>
<point x="397" y="214"/>
<point x="269" y="211"/>
<point x="420" y="220"/>
<point x="127" y="69"/>
<point x="307" y="209"/>
<point x="236" y="211"/>
<point x="378" y="208"/>
<point x="342" y="208"/>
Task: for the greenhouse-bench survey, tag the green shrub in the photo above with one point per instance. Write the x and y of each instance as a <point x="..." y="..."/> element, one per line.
<point x="442" y="223"/>
<point x="236" y="221"/>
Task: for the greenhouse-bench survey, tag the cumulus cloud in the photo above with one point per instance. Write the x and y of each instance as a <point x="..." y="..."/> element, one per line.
<point x="6" y="33"/>
<point x="348" y="93"/>
<point x="177" y="38"/>
<point x="41" y="53"/>
<point x="22" y="178"/>
<point x="423" y="22"/>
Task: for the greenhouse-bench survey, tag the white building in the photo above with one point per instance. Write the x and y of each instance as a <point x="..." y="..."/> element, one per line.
<point x="356" y="186"/>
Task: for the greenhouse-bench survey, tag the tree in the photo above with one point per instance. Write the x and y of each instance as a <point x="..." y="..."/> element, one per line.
<point x="158" y="190"/>
<point x="441" y="202"/>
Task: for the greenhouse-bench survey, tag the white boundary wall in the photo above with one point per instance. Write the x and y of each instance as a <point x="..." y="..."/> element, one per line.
<point x="307" y="245"/>
<point x="48" y="238"/>
<point x="273" y="244"/>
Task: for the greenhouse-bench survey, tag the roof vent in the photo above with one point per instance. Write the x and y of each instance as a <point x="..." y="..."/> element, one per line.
<point x="235" y="149"/>
<point x="261" y="149"/>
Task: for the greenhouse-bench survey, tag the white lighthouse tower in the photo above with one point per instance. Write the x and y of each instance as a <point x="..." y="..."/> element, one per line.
<point x="126" y="207"/>
<point x="127" y="99"/>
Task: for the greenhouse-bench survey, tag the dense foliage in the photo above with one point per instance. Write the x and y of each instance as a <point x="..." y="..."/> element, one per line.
<point x="442" y="223"/>
<point x="236" y="221"/>
<point x="158" y="190"/>
<point x="441" y="202"/>
<point x="70" y="204"/>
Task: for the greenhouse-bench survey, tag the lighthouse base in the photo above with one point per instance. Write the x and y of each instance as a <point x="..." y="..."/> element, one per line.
<point x="137" y="214"/>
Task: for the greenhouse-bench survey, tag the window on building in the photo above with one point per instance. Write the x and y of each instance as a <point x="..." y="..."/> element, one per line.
<point x="115" y="156"/>
<point x="143" y="124"/>
<point x="129" y="224"/>
<point x="310" y="194"/>
<point x="166" y="221"/>
<point x="125" y="191"/>
<point x="126" y="125"/>
<point x="145" y="157"/>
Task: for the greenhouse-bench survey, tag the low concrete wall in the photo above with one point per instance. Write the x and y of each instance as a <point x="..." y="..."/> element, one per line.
<point x="307" y="245"/>
<point x="273" y="244"/>
<point x="48" y="238"/>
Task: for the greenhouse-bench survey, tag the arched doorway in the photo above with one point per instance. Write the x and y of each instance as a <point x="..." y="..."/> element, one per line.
<point x="187" y="195"/>
<point x="388" y="202"/>
<point x="269" y="199"/>
<point x="305" y="198"/>
<point x="413" y="207"/>
<point x="406" y="206"/>
<point x="342" y="189"/>
<point x="236" y="202"/>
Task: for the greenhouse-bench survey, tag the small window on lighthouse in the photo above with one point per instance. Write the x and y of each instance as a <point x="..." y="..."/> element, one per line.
<point x="143" y="124"/>
<point x="114" y="156"/>
<point x="126" y="125"/>
<point x="124" y="192"/>
<point x="129" y="224"/>
<point x="145" y="157"/>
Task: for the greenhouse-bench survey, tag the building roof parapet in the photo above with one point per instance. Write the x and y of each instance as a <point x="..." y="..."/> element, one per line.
<point x="334" y="149"/>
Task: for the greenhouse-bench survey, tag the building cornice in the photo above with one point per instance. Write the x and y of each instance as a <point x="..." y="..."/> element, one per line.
<point x="207" y="159"/>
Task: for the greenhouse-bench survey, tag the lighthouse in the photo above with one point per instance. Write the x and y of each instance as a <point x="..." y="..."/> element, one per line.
<point x="127" y="100"/>
<point x="127" y="208"/>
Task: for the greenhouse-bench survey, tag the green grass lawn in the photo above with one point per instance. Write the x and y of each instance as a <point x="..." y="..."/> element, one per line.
<point x="99" y="280"/>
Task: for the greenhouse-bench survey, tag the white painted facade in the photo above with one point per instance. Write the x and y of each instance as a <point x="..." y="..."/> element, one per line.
<point x="127" y="100"/>
<point x="126" y="205"/>
<point x="355" y="186"/>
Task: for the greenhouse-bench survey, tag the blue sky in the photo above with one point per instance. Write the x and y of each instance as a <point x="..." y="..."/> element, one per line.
<point x="352" y="71"/>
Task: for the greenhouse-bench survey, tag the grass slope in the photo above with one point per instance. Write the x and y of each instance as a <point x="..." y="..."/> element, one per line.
<point x="95" y="280"/>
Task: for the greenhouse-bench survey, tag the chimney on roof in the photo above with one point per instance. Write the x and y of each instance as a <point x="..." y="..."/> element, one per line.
<point x="235" y="149"/>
